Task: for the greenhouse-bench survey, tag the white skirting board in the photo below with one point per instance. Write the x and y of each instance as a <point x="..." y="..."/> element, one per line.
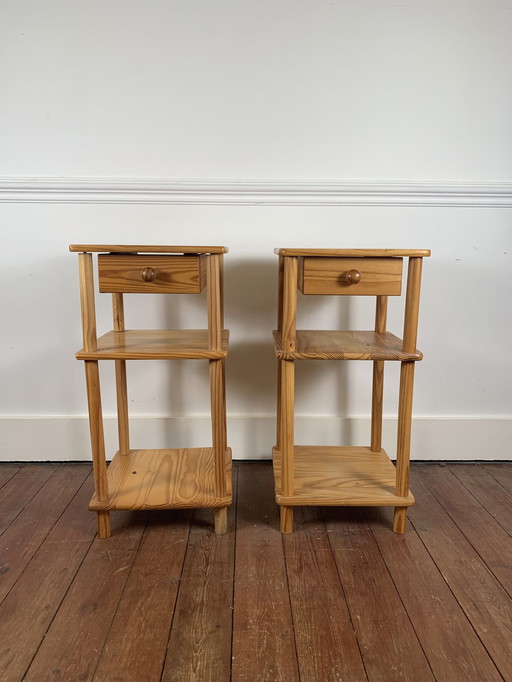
<point x="64" y="438"/>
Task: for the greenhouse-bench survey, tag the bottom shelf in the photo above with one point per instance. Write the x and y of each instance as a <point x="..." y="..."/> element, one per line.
<point x="352" y="476"/>
<point x="164" y="479"/>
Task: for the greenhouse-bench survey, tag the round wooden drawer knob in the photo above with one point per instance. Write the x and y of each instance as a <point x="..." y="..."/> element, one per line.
<point x="352" y="277"/>
<point x="148" y="275"/>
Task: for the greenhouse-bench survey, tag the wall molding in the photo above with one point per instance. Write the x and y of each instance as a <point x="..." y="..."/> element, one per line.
<point x="253" y="192"/>
<point x="66" y="438"/>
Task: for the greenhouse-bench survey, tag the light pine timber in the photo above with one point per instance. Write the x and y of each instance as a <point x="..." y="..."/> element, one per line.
<point x="378" y="377"/>
<point x="151" y="248"/>
<point x="354" y="253"/>
<point x="156" y="344"/>
<point x="412" y="304"/>
<point x="97" y="444"/>
<point x="330" y="344"/>
<point x="92" y="378"/>
<point x="289" y="304"/>
<point x="287" y="441"/>
<point x="332" y="475"/>
<point x="219" y="438"/>
<point x="478" y="592"/>
<point x="263" y="639"/>
<point x="135" y="274"/>
<point x="35" y="598"/>
<point x="164" y="479"/>
<point x="351" y="276"/>
<point x="121" y="382"/>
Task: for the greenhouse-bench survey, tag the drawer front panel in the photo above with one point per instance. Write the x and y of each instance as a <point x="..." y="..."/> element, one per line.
<point x="351" y="276"/>
<point x="134" y="274"/>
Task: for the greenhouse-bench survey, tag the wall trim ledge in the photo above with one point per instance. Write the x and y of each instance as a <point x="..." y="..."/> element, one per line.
<point x="288" y="192"/>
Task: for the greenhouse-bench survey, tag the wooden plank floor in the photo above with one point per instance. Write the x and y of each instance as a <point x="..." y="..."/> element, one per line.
<point x="342" y="598"/>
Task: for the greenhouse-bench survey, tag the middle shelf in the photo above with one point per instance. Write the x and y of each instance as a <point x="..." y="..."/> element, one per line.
<point x="156" y="344"/>
<point x="313" y="344"/>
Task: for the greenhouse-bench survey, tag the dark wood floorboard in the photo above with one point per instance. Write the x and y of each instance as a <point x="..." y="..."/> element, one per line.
<point x="263" y="639"/>
<point x="22" y="538"/>
<point x="19" y="489"/>
<point x="199" y="647"/>
<point x="341" y="599"/>
<point x="488" y="537"/>
<point x="325" y="637"/>
<point x="479" y="593"/>
<point x="447" y="637"/>
<point x="389" y="645"/>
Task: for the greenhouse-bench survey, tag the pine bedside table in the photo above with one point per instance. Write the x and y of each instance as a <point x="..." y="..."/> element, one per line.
<point x="357" y="476"/>
<point x="155" y="479"/>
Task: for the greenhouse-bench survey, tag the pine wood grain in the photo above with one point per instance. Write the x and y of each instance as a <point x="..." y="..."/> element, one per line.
<point x="136" y="643"/>
<point x="478" y="592"/>
<point x="381" y="309"/>
<point x="148" y="248"/>
<point x="451" y="645"/>
<point x="335" y="276"/>
<point x="478" y="525"/>
<point x="403" y="445"/>
<point x="388" y="643"/>
<point x="354" y="253"/>
<point x="199" y="647"/>
<point x="29" y="529"/>
<point x="164" y="479"/>
<point x="36" y="597"/>
<point x="347" y="476"/>
<point x="169" y="274"/>
<point x="155" y="344"/>
<point x="325" y="638"/>
<point x="123" y="427"/>
<point x="333" y="344"/>
<point x="19" y="489"/>
<point x="75" y="639"/>
<point x="263" y="640"/>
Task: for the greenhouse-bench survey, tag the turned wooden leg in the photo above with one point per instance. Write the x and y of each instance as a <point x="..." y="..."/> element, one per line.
<point x="403" y="443"/>
<point x="221" y="520"/>
<point x="97" y="443"/>
<point x="286" y="519"/>
<point x="103" y="524"/>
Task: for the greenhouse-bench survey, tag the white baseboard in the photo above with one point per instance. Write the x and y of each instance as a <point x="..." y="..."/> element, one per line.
<point x="61" y="439"/>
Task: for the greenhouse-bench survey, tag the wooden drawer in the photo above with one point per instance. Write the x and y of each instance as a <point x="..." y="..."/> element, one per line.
<point x="133" y="274"/>
<point x="350" y="276"/>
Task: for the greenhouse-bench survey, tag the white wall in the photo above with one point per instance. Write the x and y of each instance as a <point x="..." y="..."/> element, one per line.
<point x="257" y="125"/>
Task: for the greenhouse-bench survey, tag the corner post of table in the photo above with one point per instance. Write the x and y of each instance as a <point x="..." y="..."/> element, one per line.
<point x="121" y="381"/>
<point x="280" y="330"/>
<point x="406" y="390"/>
<point x="288" y="331"/>
<point x="214" y="283"/>
<point x="378" y="378"/>
<point x="93" y="388"/>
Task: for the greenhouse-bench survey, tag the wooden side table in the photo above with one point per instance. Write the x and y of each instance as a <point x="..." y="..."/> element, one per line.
<point x="357" y="476"/>
<point x="155" y="479"/>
